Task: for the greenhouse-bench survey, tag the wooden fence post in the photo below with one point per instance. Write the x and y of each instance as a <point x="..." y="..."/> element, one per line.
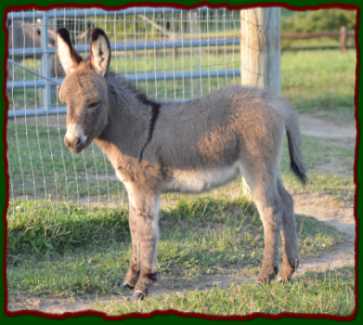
<point x="260" y="48"/>
<point x="343" y="38"/>
<point x="260" y="53"/>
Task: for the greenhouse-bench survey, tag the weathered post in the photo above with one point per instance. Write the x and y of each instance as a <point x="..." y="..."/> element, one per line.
<point x="260" y="52"/>
<point x="343" y="39"/>
<point x="260" y="48"/>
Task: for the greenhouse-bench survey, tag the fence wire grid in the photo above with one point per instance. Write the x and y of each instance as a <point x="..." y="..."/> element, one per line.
<point x="171" y="54"/>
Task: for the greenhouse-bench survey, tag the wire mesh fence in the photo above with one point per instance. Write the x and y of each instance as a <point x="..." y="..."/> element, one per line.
<point x="171" y="54"/>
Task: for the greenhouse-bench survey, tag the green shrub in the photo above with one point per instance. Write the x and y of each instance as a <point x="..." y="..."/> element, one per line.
<point x="317" y="20"/>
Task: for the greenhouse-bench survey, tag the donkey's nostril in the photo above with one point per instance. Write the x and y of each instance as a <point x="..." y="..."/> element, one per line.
<point x="67" y="142"/>
<point x="72" y="143"/>
<point x="75" y="139"/>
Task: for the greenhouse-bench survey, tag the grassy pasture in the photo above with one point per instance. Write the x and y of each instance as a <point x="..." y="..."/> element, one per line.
<point x="62" y="250"/>
<point x="322" y="293"/>
<point x="67" y="250"/>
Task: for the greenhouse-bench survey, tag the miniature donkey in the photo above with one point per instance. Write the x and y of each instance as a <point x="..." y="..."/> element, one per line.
<point x="187" y="147"/>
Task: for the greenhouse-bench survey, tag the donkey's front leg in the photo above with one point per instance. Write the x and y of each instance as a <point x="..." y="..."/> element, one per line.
<point x="133" y="272"/>
<point x="144" y="208"/>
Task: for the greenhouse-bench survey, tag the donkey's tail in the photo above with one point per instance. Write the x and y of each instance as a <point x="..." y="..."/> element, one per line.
<point x="294" y="144"/>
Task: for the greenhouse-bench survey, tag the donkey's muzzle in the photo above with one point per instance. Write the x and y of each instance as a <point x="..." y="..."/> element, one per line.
<point x="75" y="145"/>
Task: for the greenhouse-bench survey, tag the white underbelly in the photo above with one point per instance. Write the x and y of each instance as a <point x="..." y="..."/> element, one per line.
<point x="194" y="181"/>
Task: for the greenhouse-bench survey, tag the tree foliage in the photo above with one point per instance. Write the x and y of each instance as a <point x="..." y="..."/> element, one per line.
<point x="317" y="20"/>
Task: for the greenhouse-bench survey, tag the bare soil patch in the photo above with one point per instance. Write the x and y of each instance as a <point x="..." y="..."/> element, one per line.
<point x="323" y="128"/>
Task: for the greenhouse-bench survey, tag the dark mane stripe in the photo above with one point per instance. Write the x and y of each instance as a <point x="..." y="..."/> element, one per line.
<point x="155" y="111"/>
<point x="143" y="99"/>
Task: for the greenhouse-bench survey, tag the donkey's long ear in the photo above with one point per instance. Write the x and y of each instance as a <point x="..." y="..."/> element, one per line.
<point x="67" y="55"/>
<point x="100" y="51"/>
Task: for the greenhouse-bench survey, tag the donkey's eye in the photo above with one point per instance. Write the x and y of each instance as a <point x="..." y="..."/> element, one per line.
<point x="93" y="104"/>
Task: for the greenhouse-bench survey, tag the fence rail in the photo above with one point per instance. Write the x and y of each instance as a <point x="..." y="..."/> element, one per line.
<point x="138" y="45"/>
<point x="59" y="13"/>
<point x="313" y="35"/>
<point x="46" y="82"/>
<point x="177" y="75"/>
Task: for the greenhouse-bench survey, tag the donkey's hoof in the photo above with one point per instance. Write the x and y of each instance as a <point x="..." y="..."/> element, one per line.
<point x="130" y="279"/>
<point x="127" y="285"/>
<point x="286" y="273"/>
<point x="266" y="276"/>
<point x="262" y="279"/>
<point x="283" y="279"/>
<point x="138" y="295"/>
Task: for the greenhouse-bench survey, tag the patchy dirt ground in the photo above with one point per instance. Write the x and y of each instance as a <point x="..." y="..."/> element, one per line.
<point x="324" y="208"/>
<point x="322" y="128"/>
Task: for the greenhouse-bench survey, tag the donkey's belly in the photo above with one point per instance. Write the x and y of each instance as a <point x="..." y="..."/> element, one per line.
<point x="200" y="180"/>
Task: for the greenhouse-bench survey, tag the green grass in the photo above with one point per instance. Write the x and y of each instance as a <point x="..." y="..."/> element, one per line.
<point x="321" y="82"/>
<point x="314" y="81"/>
<point x="322" y="293"/>
<point x="318" y="152"/>
<point x="63" y="250"/>
<point x="42" y="167"/>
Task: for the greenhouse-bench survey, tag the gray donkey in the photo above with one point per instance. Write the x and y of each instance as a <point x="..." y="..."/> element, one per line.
<point x="185" y="147"/>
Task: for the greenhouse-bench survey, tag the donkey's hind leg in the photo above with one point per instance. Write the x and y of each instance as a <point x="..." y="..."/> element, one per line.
<point x="267" y="199"/>
<point x="290" y="255"/>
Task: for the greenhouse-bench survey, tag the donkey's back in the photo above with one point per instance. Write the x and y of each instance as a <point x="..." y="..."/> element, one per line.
<point x="209" y="141"/>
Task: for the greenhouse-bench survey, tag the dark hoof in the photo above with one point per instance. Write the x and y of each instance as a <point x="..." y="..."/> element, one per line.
<point x="138" y="295"/>
<point x="286" y="273"/>
<point x="264" y="279"/>
<point x="126" y="285"/>
<point x="267" y="276"/>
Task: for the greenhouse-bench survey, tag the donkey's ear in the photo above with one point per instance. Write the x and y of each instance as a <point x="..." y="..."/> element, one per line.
<point x="100" y="51"/>
<point x="67" y="55"/>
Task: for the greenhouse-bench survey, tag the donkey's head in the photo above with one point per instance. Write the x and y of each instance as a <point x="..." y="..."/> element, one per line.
<point x="84" y="89"/>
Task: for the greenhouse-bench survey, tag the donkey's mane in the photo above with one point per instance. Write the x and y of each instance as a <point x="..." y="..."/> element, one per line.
<point x="124" y="86"/>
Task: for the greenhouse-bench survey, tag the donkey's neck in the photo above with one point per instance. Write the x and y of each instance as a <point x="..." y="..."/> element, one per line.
<point x="130" y="115"/>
